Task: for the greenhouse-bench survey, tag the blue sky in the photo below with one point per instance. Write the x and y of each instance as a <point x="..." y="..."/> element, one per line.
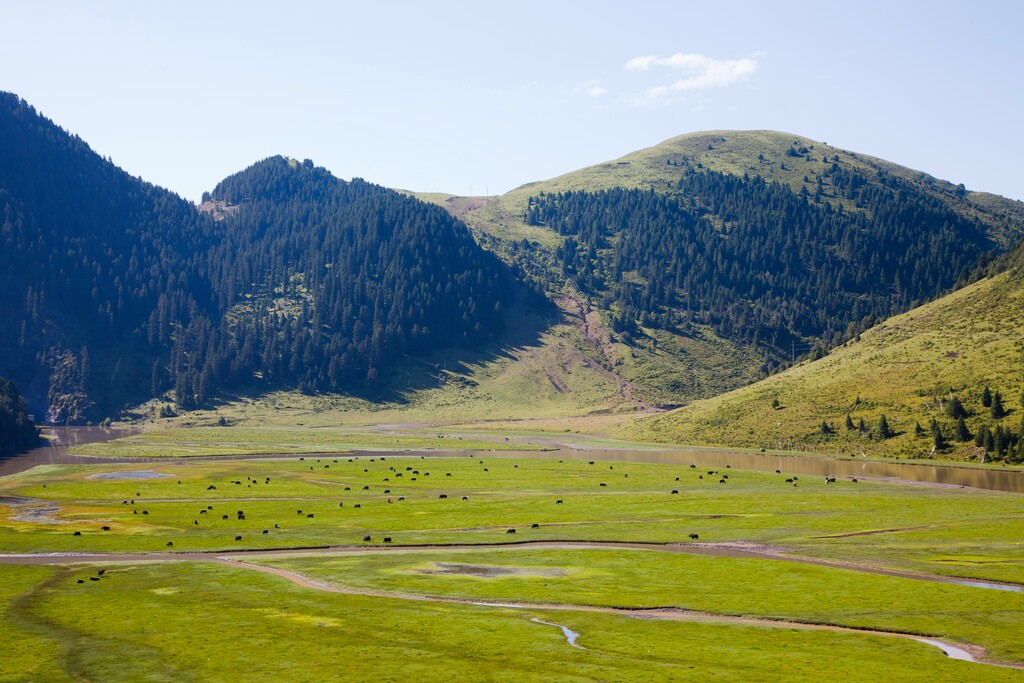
<point x="482" y="97"/>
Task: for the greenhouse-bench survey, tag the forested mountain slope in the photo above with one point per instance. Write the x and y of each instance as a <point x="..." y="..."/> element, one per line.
<point x="948" y="378"/>
<point x="115" y="290"/>
<point x="748" y="247"/>
<point x="17" y="431"/>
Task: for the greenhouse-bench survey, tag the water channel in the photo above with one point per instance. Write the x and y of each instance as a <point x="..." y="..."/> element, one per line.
<point x="1001" y="479"/>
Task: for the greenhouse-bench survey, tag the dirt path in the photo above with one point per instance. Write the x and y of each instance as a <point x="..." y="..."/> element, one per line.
<point x="730" y="549"/>
<point x="597" y="335"/>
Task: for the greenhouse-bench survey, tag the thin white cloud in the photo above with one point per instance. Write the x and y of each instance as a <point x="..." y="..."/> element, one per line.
<point x="699" y="72"/>
<point x="641" y="63"/>
<point x="591" y="88"/>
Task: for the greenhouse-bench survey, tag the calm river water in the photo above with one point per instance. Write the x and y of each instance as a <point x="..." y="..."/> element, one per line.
<point x="951" y="475"/>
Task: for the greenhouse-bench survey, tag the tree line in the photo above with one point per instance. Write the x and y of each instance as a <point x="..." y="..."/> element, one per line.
<point x="756" y="260"/>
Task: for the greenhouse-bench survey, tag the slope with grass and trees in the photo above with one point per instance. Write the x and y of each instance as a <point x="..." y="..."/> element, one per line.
<point x="675" y="273"/>
<point x="947" y="378"/>
<point x="740" y="251"/>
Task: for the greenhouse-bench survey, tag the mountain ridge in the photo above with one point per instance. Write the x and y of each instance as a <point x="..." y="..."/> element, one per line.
<point x="288" y="278"/>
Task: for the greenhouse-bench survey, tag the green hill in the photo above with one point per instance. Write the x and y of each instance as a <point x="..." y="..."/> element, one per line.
<point x="703" y="284"/>
<point x="934" y="362"/>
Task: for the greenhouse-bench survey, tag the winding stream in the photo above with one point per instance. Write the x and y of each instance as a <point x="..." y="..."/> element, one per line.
<point x="570" y="635"/>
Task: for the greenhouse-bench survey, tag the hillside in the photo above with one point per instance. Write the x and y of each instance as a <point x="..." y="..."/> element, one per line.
<point x="676" y="273"/>
<point x="17" y="431"/>
<point x="745" y="248"/>
<point x="936" y="362"/>
<point x="116" y="290"/>
<point x="87" y="252"/>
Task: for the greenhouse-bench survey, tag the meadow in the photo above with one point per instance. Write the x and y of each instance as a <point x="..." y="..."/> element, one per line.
<point x="401" y="609"/>
<point x="216" y="623"/>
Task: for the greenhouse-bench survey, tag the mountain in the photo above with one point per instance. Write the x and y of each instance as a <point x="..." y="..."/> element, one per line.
<point x="322" y="283"/>
<point x="739" y="251"/>
<point x="116" y="290"/>
<point x="17" y="431"/>
<point x="86" y="253"/>
<point x="676" y="273"/>
<point x="952" y="366"/>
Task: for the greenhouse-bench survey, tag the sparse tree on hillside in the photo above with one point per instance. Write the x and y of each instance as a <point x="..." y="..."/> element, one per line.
<point x="986" y="397"/>
<point x="883" y="431"/>
<point x="997" y="411"/>
<point x="962" y="433"/>
<point x="979" y="438"/>
<point x="937" y="438"/>
<point x="955" y="408"/>
<point x="849" y="422"/>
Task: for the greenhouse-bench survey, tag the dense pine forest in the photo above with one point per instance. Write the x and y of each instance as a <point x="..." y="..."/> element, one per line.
<point x="17" y="431"/>
<point x="758" y="261"/>
<point x="323" y="282"/>
<point x="115" y="290"/>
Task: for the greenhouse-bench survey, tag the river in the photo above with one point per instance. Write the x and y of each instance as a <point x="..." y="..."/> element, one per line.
<point x="994" y="479"/>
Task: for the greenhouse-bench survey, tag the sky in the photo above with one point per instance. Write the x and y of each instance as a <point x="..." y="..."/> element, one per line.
<point x="481" y="97"/>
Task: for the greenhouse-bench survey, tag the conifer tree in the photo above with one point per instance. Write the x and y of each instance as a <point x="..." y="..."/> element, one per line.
<point x="962" y="433"/>
<point x="883" y="430"/>
<point x="997" y="411"/>
<point x="937" y="438"/>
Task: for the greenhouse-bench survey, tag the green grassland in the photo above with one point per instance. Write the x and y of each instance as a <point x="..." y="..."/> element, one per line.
<point x="202" y="622"/>
<point x="905" y="369"/>
<point x="208" y="441"/>
<point x="647" y="579"/>
<point x="194" y="619"/>
<point x="31" y="651"/>
<point x="921" y="528"/>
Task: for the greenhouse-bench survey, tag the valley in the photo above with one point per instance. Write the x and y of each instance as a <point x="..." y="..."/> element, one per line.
<point x="740" y="405"/>
<point x="408" y="553"/>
